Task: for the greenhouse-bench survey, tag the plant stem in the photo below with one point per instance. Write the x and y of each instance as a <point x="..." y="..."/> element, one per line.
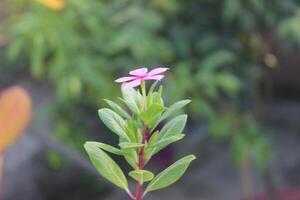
<point x="141" y="164"/>
<point x="246" y="177"/>
<point x="131" y="196"/>
<point x="143" y="87"/>
<point x="139" y="192"/>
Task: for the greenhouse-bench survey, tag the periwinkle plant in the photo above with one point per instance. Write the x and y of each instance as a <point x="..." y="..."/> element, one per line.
<point x="139" y="139"/>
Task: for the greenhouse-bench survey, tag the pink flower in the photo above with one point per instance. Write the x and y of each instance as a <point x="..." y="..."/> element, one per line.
<point x="141" y="74"/>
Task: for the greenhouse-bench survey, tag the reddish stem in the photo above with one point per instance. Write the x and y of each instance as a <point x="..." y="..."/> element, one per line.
<point x="141" y="164"/>
<point x="139" y="195"/>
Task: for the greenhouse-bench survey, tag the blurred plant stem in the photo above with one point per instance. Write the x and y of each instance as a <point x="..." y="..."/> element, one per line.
<point x="1" y="173"/>
<point x="269" y="184"/>
<point x="246" y="179"/>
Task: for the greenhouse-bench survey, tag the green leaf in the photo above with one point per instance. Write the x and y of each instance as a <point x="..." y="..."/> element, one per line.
<point x="152" y="113"/>
<point x="126" y="145"/>
<point x="174" y="108"/>
<point x="113" y="121"/>
<point x="131" y="157"/>
<point x="152" y="87"/>
<point x="108" y="168"/>
<point x="130" y="98"/>
<point x="173" y="127"/>
<point x="107" y="148"/>
<point x="117" y="108"/>
<point x="158" y="98"/>
<point x="165" y="142"/>
<point x="153" y="138"/>
<point x="141" y="175"/>
<point x="170" y="175"/>
<point x="150" y="93"/>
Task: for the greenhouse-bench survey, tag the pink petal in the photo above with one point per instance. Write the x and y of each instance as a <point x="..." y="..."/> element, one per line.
<point x="124" y="79"/>
<point x="139" y="72"/>
<point x="157" y="71"/>
<point x="132" y="84"/>
<point x="156" y="77"/>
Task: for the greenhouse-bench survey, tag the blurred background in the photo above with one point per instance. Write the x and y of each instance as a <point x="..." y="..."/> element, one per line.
<point x="237" y="60"/>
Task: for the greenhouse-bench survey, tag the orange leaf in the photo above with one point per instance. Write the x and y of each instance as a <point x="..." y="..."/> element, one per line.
<point x="15" y="115"/>
<point x="53" y="4"/>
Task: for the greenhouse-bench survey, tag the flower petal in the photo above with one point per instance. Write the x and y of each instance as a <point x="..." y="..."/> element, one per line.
<point x="132" y="84"/>
<point x="124" y="79"/>
<point x="139" y="72"/>
<point x="158" y="70"/>
<point x="156" y="77"/>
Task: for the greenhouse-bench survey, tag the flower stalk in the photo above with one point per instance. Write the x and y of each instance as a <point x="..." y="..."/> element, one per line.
<point x="141" y="163"/>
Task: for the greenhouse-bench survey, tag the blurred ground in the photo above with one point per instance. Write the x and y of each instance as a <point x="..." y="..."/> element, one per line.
<point x="213" y="177"/>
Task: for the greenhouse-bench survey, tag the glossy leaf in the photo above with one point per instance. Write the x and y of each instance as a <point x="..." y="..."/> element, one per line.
<point x="130" y="154"/>
<point x="170" y="175"/>
<point x="130" y="99"/>
<point x="141" y="175"/>
<point x="152" y="87"/>
<point x="131" y="157"/>
<point x="173" y="127"/>
<point x="127" y="145"/>
<point x="165" y="142"/>
<point x="108" y="148"/>
<point x="174" y="108"/>
<point x="113" y="121"/>
<point x="117" y="108"/>
<point x="150" y="93"/>
<point x="152" y="113"/>
<point x="108" y="168"/>
<point x="153" y="138"/>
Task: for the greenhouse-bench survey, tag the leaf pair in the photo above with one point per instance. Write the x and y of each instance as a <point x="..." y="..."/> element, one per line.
<point x="110" y="170"/>
<point x="173" y="109"/>
<point x="170" y="133"/>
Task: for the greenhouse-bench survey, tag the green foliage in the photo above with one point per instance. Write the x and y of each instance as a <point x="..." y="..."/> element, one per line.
<point x="141" y="175"/>
<point x="245" y="136"/>
<point x="106" y="166"/>
<point x="217" y="57"/>
<point x="114" y="122"/>
<point x="248" y="143"/>
<point x="162" y="143"/>
<point x="174" y="108"/>
<point x="150" y="116"/>
<point x="170" y="175"/>
<point x="173" y="127"/>
<point x="137" y="144"/>
<point x="107" y="148"/>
